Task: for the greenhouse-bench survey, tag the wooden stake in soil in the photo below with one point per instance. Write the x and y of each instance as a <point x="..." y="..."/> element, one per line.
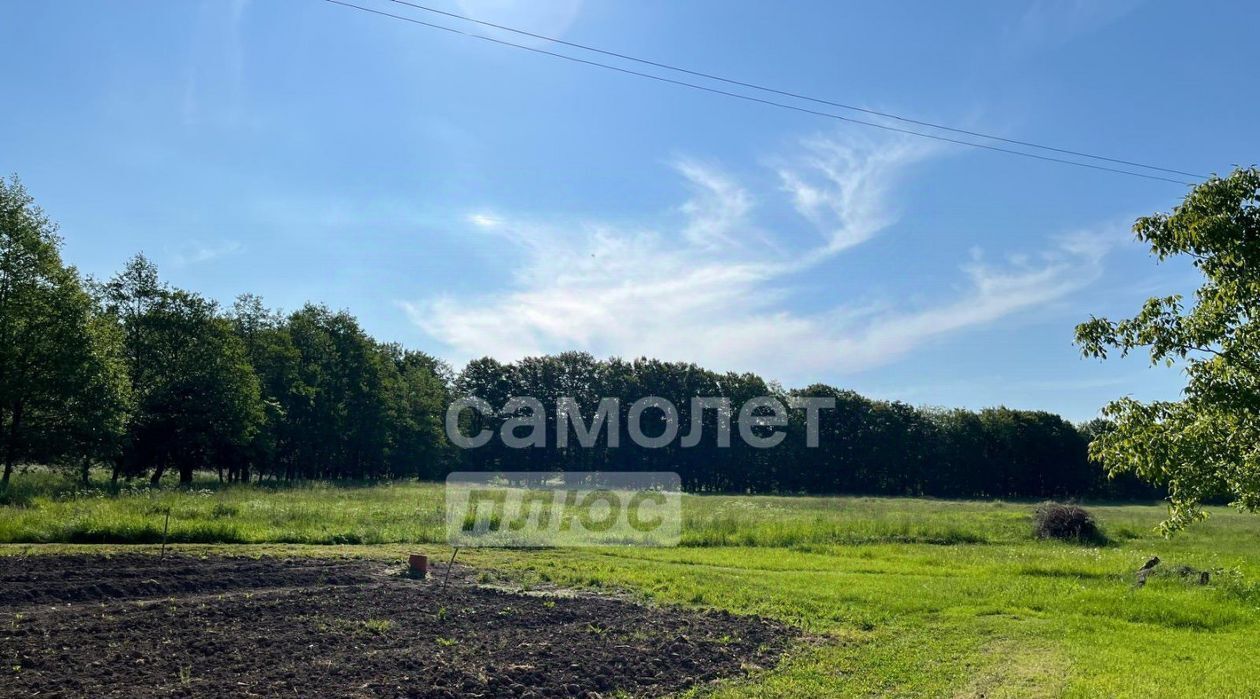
<point x="450" y="565"/>
<point x="165" y="529"/>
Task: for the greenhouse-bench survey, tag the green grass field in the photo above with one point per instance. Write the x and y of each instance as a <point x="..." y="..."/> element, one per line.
<point x="899" y="597"/>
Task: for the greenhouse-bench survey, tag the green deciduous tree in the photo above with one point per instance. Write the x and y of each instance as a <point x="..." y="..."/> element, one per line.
<point x="62" y="393"/>
<point x="1208" y="443"/>
<point x="198" y="403"/>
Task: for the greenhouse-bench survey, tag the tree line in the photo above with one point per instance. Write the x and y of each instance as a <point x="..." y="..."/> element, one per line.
<point x="145" y="379"/>
<point x="864" y="445"/>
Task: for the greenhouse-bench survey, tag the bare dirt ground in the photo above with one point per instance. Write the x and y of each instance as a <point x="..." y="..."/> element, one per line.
<point x="135" y="625"/>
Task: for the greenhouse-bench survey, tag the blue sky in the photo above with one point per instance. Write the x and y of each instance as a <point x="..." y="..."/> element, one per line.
<point x="469" y="199"/>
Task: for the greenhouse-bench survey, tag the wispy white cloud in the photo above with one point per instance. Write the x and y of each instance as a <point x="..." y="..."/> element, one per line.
<point x="718" y="208"/>
<point x="696" y="293"/>
<point x="992" y="293"/>
<point x="196" y="252"/>
<point x="1051" y="22"/>
<point x="841" y="188"/>
<point x="484" y="220"/>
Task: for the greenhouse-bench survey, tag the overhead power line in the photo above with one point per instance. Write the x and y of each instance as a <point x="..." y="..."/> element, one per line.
<point x="760" y="100"/>
<point x="795" y="95"/>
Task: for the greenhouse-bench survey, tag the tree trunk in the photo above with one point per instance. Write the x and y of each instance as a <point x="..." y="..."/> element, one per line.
<point x="10" y="452"/>
<point x="185" y="475"/>
<point x="156" y="480"/>
<point x="6" y="473"/>
<point x="85" y="470"/>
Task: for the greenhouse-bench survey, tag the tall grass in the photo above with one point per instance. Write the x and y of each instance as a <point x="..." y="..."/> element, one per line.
<point x="805" y="521"/>
<point x="44" y="506"/>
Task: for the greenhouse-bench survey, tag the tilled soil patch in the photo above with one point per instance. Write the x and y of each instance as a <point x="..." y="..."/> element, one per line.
<point x="45" y="580"/>
<point x="134" y="626"/>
